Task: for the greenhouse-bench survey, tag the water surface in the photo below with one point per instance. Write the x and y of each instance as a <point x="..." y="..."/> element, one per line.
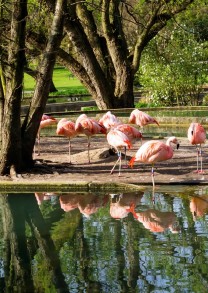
<point x="87" y="242"/>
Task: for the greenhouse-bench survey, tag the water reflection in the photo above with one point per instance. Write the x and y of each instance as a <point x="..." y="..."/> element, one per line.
<point x="87" y="242"/>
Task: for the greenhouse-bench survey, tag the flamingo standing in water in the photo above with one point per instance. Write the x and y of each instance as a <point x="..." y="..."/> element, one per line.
<point x="154" y="151"/>
<point x="109" y="120"/>
<point x="89" y="127"/>
<point x="67" y="128"/>
<point x="118" y="140"/>
<point x="46" y="120"/>
<point x="141" y="118"/>
<point x="197" y="136"/>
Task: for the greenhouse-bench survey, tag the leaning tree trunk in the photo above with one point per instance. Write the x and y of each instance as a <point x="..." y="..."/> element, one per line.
<point x="45" y="72"/>
<point x="11" y="126"/>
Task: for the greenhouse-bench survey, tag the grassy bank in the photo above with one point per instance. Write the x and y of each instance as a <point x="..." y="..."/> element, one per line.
<point x="63" y="80"/>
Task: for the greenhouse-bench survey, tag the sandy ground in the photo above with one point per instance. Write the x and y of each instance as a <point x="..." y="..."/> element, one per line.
<point x="53" y="166"/>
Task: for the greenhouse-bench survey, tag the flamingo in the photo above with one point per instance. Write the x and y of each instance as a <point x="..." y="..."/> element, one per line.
<point x="141" y="118"/>
<point x="46" y="120"/>
<point x="154" y="151"/>
<point x="89" y="127"/>
<point x="131" y="132"/>
<point x="109" y="120"/>
<point x="67" y="128"/>
<point x="118" y="140"/>
<point x="197" y="136"/>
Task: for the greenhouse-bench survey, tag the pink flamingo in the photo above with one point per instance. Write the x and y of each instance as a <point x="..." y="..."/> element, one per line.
<point x="46" y="120"/>
<point x="197" y="136"/>
<point x="154" y="151"/>
<point x="141" y="118"/>
<point x="118" y="140"/>
<point x="131" y="132"/>
<point x="67" y="128"/>
<point x="109" y="120"/>
<point x="89" y="127"/>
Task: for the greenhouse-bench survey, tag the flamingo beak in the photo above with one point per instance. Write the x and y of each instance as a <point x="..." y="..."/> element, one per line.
<point x="177" y="146"/>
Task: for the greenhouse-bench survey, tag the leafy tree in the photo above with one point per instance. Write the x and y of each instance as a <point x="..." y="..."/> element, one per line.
<point x="174" y="65"/>
<point x="105" y="43"/>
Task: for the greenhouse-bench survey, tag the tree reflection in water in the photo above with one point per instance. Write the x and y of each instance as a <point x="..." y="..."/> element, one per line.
<point x="86" y="242"/>
<point x="21" y="218"/>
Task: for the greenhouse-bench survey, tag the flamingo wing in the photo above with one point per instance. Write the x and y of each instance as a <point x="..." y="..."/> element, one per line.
<point x="118" y="139"/>
<point x="153" y="151"/>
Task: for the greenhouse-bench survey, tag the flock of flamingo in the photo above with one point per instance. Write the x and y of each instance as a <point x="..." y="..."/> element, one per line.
<point x="122" y="136"/>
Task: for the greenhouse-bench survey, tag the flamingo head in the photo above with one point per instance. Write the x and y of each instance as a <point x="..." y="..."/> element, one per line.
<point x="174" y="140"/>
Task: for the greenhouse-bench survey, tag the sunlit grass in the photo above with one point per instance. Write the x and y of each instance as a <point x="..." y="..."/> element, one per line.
<point x="63" y="80"/>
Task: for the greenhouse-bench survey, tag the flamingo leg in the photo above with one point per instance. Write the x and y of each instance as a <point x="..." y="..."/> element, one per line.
<point x="142" y="131"/>
<point x="88" y="149"/>
<point x="197" y="163"/>
<point x="201" y="158"/>
<point x="153" y="184"/>
<point x="200" y="154"/>
<point x="118" y="160"/>
<point x="69" y="150"/>
<point x="119" y="155"/>
<point x="126" y="164"/>
<point x="125" y="154"/>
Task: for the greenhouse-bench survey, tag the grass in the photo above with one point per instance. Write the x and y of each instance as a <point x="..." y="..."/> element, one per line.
<point x="63" y="80"/>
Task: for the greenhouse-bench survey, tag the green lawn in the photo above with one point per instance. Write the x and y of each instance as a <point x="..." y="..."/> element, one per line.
<point x="64" y="82"/>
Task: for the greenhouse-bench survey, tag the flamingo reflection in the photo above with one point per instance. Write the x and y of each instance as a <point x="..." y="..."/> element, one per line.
<point x="87" y="204"/>
<point x="157" y="221"/>
<point x="120" y="204"/>
<point x="199" y="206"/>
<point x="69" y="202"/>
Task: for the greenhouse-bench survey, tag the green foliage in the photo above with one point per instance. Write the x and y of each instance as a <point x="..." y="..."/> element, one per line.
<point x="145" y="104"/>
<point x="173" y="69"/>
<point x="205" y="100"/>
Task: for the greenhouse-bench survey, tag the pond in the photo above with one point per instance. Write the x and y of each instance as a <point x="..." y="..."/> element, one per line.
<point x="106" y="242"/>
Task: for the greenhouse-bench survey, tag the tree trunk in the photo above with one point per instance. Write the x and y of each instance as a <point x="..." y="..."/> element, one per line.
<point x="31" y="123"/>
<point x="11" y="126"/>
<point x="1" y="111"/>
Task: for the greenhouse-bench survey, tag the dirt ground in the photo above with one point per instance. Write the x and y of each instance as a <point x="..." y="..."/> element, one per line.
<point x="52" y="166"/>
